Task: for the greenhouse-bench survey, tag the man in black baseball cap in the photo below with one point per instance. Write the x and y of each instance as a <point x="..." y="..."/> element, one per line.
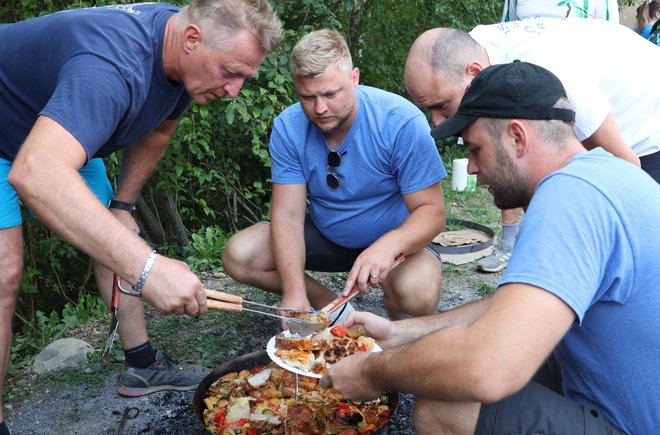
<point x="518" y="90"/>
<point x="554" y="349"/>
<point x="616" y="114"/>
<point x="512" y="90"/>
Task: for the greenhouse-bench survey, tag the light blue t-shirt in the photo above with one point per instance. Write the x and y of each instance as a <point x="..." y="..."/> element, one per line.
<point x="591" y="236"/>
<point x="388" y="152"/>
<point x="646" y="31"/>
<point x="98" y="72"/>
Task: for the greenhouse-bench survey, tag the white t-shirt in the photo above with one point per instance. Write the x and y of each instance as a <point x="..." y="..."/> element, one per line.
<point x="526" y="9"/>
<point x="605" y="67"/>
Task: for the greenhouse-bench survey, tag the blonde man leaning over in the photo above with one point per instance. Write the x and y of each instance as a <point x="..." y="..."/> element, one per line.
<point x="79" y="85"/>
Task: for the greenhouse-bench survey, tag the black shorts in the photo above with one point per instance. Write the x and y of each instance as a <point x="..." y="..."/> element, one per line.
<point x="540" y="409"/>
<point x="322" y="255"/>
<point x="651" y="165"/>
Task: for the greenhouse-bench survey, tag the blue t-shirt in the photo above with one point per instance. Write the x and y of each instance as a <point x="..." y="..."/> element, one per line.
<point x="591" y="237"/>
<point x="98" y="72"/>
<point x="388" y="152"/>
<point x="646" y="31"/>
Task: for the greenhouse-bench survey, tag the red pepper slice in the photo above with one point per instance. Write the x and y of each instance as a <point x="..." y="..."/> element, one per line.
<point x="219" y="419"/>
<point x="339" y="331"/>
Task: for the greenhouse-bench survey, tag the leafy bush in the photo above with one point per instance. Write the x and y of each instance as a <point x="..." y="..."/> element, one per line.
<point x="206" y="248"/>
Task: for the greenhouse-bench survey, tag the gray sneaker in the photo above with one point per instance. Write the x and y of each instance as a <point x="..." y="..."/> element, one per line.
<point x="496" y="261"/>
<point x="164" y="374"/>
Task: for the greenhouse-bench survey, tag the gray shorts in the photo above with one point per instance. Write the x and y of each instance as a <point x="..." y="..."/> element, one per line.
<point x="540" y="409"/>
<point x="322" y="255"/>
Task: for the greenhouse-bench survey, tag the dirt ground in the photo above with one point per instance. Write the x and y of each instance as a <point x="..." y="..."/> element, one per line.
<point x="82" y="409"/>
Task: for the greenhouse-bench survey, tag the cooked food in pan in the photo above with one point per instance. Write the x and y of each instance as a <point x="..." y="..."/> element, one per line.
<point x="263" y="401"/>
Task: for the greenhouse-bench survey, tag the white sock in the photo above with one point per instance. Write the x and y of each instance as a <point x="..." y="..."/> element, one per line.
<point x="338" y="317"/>
<point x="509" y="233"/>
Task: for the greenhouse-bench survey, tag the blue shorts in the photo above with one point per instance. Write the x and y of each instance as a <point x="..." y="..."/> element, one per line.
<point x="93" y="173"/>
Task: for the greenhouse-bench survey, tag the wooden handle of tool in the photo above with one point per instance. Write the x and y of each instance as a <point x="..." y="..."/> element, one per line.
<point x="225" y="297"/>
<point x="223" y="306"/>
<point x="332" y="306"/>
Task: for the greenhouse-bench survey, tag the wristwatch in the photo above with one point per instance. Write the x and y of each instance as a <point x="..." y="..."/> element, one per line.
<point x="121" y="205"/>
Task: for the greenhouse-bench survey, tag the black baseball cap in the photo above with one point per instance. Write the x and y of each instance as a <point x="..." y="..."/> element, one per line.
<point x="511" y="90"/>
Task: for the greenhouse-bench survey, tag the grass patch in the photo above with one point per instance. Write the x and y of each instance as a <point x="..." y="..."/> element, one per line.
<point x="474" y="206"/>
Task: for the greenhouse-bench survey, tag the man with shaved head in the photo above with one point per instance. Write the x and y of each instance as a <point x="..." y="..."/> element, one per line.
<point x="617" y="108"/>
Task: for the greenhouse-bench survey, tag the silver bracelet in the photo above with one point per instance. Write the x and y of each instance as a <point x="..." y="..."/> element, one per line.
<point x="145" y="272"/>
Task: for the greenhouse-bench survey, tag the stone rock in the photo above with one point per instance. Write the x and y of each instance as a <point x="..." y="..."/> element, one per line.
<point x="65" y="353"/>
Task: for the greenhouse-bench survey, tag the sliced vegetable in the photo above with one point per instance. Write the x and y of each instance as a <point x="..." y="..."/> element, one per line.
<point x="339" y="331"/>
<point x="219" y="419"/>
<point x="355" y="333"/>
<point x="239" y="409"/>
<point x="260" y="378"/>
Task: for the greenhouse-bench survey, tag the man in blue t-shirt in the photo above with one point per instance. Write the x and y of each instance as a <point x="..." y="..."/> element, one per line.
<point x="78" y="85"/>
<point x="620" y="116"/>
<point x="364" y="159"/>
<point x="580" y="293"/>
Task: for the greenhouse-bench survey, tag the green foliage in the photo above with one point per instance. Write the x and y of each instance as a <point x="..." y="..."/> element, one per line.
<point x="474" y="206"/>
<point x="300" y="15"/>
<point x="55" y="272"/>
<point x="383" y="30"/>
<point x="206" y="248"/>
<point x="486" y="289"/>
<point x="218" y="163"/>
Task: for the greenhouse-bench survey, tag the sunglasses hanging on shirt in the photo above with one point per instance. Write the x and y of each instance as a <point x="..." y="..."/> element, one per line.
<point x="334" y="161"/>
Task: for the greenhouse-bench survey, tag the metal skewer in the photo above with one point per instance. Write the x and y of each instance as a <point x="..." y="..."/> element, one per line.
<point x="234" y="303"/>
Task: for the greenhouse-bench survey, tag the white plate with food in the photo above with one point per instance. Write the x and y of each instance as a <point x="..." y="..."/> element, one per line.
<point x="313" y="355"/>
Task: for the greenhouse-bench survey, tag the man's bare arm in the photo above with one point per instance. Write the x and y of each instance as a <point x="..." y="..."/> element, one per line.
<point x="140" y="159"/>
<point x="608" y="136"/>
<point x="288" y="239"/>
<point x="45" y="174"/>
<point x="485" y="360"/>
<point x="485" y="356"/>
<point x="426" y="220"/>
